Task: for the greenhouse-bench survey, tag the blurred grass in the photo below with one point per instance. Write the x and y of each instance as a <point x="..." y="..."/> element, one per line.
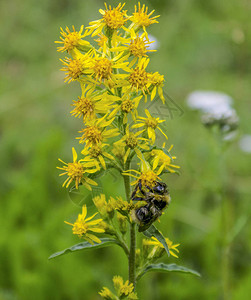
<point x="203" y="45"/>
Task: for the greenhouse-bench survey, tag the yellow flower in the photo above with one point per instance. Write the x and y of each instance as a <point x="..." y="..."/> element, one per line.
<point x="157" y="82"/>
<point x="74" y="68"/>
<point x="96" y="154"/>
<point x="123" y="289"/>
<point x="122" y="206"/>
<point x="139" y="78"/>
<point x="172" y="248"/>
<point x="136" y="45"/>
<point x="150" y="124"/>
<point x="107" y="228"/>
<point x="95" y="132"/>
<point x="103" y="70"/>
<point x="107" y="294"/>
<point x="106" y="208"/>
<point x="118" y="151"/>
<point x="102" y="42"/>
<point x="160" y="158"/>
<point x="132" y="141"/>
<point x="76" y="170"/>
<point x="140" y="17"/>
<point x="82" y="226"/>
<point x="147" y="175"/>
<point x="71" y="40"/>
<point x="113" y="18"/>
<point x="126" y="105"/>
<point x="122" y="223"/>
<point x="90" y="104"/>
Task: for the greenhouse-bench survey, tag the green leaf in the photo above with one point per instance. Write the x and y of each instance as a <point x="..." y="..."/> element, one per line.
<point x="161" y="267"/>
<point x="153" y="231"/>
<point x="85" y="245"/>
<point x="241" y="222"/>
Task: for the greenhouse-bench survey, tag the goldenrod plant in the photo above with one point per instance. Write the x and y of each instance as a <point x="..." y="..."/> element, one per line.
<point x="116" y="85"/>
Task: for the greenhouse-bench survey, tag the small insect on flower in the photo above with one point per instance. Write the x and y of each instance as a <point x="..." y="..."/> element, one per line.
<point x="157" y="199"/>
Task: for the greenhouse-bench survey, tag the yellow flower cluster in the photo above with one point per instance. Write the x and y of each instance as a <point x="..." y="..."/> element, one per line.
<point x="158" y="250"/>
<point x="113" y="78"/>
<point x="124" y="290"/>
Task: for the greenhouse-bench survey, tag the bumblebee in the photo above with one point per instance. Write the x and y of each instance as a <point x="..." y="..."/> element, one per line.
<point x="157" y="199"/>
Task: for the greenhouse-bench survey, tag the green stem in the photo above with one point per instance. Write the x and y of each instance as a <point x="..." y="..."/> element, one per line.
<point x="132" y="251"/>
<point x="225" y="244"/>
<point x="120" y="239"/>
<point x="225" y="253"/>
<point x="132" y="256"/>
<point x="127" y="187"/>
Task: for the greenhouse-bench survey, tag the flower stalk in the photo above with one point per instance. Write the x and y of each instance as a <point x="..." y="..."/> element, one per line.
<point x="114" y="79"/>
<point x="225" y="213"/>
<point x="132" y="255"/>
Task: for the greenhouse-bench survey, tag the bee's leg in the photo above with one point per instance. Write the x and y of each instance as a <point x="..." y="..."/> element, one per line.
<point x="138" y="199"/>
<point x="140" y="188"/>
<point x="148" y="187"/>
<point x="134" y="191"/>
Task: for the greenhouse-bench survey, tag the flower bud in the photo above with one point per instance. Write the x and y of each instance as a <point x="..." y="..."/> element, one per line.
<point x="138" y="257"/>
<point x="107" y="228"/>
<point x="122" y="222"/>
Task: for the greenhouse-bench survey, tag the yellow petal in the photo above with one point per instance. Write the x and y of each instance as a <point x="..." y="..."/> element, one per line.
<point x="98" y="230"/>
<point x="89" y="180"/>
<point x="147" y="113"/>
<point x="102" y="161"/>
<point x="153" y="93"/>
<point x="84" y="211"/>
<point x="74" y="154"/>
<point x="94" y="238"/>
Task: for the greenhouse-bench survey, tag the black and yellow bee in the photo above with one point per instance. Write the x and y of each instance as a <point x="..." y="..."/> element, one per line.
<point x="157" y="199"/>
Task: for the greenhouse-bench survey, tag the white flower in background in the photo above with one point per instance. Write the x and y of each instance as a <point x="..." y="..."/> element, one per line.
<point x="155" y="44"/>
<point x="216" y="108"/>
<point x="210" y="102"/>
<point x="245" y="143"/>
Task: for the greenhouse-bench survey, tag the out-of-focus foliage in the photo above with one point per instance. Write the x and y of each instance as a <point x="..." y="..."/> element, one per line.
<point x="203" y="45"/>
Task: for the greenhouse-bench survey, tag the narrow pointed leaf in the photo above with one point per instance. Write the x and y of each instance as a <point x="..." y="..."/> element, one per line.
<point x="85" y="245"/>
<point x="153" y="231"/>
<point x="161" y="267"/>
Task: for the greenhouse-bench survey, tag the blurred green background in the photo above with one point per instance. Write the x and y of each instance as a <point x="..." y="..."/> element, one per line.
<point x="204" y="45"/>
